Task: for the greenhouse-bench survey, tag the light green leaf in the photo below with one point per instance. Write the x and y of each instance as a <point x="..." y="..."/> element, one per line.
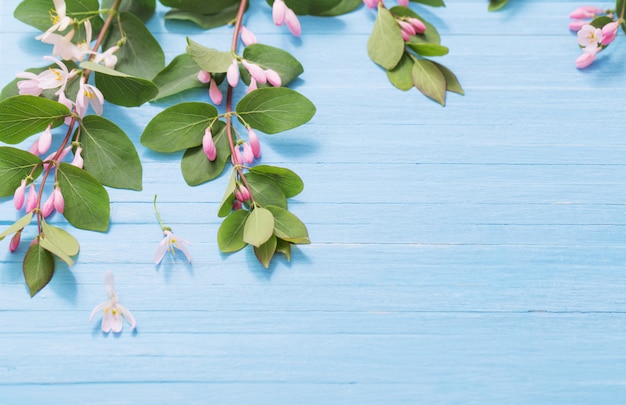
<point x="268" y="57"/>
<point x="429" y="80"/>
<point x="385" y="45"/>
<point x="201" y="6"/>
<point x="108" y="154"/>
<point x="230" y="232"/>
<point x="452" y="83"/>
<point x="402" y="75"/>
<point x="265" y="252"/>
<point x="209" y="59"/>
<point x="19" y="224"/>
<point x="15" y="165"/>
<point x="56" y="250"/>
<point x="265" y="191"/>
<point x="61" y="238"/>
<point x="259" y="227"/>
<point x="197" y="168"/>
<point x="180" y="75"/>
<point x="23" y="116"/>
<point x="120" y="88"/>
<point x="178" y="127"/>
<point x="286" y="179"/>
<point x="140" y="55"/>
<point x="429" y="49"/>
<point x="275" y="109"/>
<point x="226" y="206"/>
<point x="86" y="200"/>
<point x="288" y="227"/>
<point x="38" y="268"/>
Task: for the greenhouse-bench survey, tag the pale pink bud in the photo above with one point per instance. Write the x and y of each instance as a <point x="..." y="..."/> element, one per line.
<point x="232" y="73"/>
<point x="45" y="140"/>
<point x="208" y="145"/>
<point x="236" y="156"/>
<point x="254" y="143"/>
<point x="48" y="206"/>
<point x="215" y="93"/>
<point x="31" y="200"/>
<point x="34" y="148"/>
<point x="609" y="31"/>
<point x="247" y="36"/>
<point x="419" y="26"/>
<point x="279" y="9"/>
<point x="405" y="36"/>
<point x="256" y="71"/>
<point x="586" y="59"/>
<point x="204" y="76"/>
<point x="370" y="3"/>
<point x="253" y="86"/>
<point x="78" y="159"/>
<point x="248" y="156"/>
<point x="404" y="3"/>
<point x="577" y="25"/>
<point x="15" y="241"/>
<point x="273" y="77"/>
<point x="59" y="201"/>
<point x="18" y="196"/>
<point x="51" y="156"/>
<point x="292" y="22"/>
<point x="586" y="12"/>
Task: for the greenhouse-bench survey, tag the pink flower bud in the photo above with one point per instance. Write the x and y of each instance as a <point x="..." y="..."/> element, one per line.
<point x="254" y="143"/>
<point x="18" y="196"/>
<point x="404" y="3"/>
<point x="45" y="140"/>
<point x="256" y="71"/>
<point x="248" y="156"/>
<point x="204" y="76"/>
<point x="78" y="159"/>
<point x="247" y="36"/>
<point x="208" y="145"/>
<point x="236" y="156"/>
<point x="419" y="26"/>
<point x="407" y="27"/>
<point x="609" y="31"/>
<point x="215" y="93"/>
<point x="405" y="36"/>
<point x="370" y="3"/>
<point x="586" y="59"/>
<point x="34" y="148"/>
<point x="245" y="193"/>
<point x="292" y="22"/>
<point x="577" y="25"/>
<point x="31" y="200"/>
<point x="232" y="73"/>
<point x="273" y="77"/>
<point x="239" y="196"/>
<point x="48" y="206"/>
<point x="278" y="12"/>
<point x="586" y="12"/>
<point x="252" y="85"/>
<point x="15" y="241"/>
<point x="51" y="156"/>
<point x="59" y="201"/>
<point x="237" y="205"/>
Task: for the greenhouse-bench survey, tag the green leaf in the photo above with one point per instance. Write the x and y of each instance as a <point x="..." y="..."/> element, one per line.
<point x="284" y="247"/>
<point x="230" y="232"/>
<point x="15" y="165"/>
<point x="144" y="9"/>
<point x="452" y="83"/>
<point x="265" y="191"/>
<point x="38" y="268"/>
<point x="290" y="183"/>
<point x="180" y="75"/>
<point x="140" y="55"/>
<point x="23" y="116"/>
<point x="86" y="200"/>
<point x="205" y="21"/>
<point x="201" y="6"/>
<point x="265" y="252"/>
<point x="275" y="109"/>
<point x="433" y="3"/>
<point x="209" y="59"/>
<point x="321" y="7"/>
<point x="601" y="21"/>
<point x="288" y="227"/>
<point x="226" y="206"/>
<point x="61" y="238"/>
<point x="178" y="127"/>
<point x="120" y="88"/>
<point x="197" y="168"/>
<point x="429" y="80"/>
<point x="402" y="75"/>
<point x="56" y="250"/>
<point x="19" y="224"/>
<point x="385" y="45"/>
<point x="259" y="227"/>
<point x="108" y="154"/>
<point x="495" y="5"/>
<point x="429" y="49"/>
<point x="268" y="57"/>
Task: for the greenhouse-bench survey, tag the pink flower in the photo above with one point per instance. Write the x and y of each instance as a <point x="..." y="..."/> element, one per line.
<point x="291" y="19"/>
<point x="31" y="200"/>
<point x="15" y="241"/>
<point x="279" y="9"/>
<point x="64" y="47"/>
<point x="405" y="36"/>
<point x="419" y="26"/>
<point x="107" y="57"/>
<point x="609" y="31"/>
<point x="252" y="86"/>
<point x="208" y="145"/>
<point x="243" y="192"/>
<point x="59" y="201"/>
<point x="586" y="12"/>
<point x="215" y="93"/>
<point x="371" y="3"/>
<point x="78" y="159"/>
<point x="273" y="77"/>
<point x="247" y="36"/>
<point x="282" y="14"/>
<point x="254" y="143"/>
<point x="587" y="58"/>
<point x="407" y="27"/>
<point x="59" y="19"/>
<point x="232" y="73"/>
<point x="589" y="36"/>
<point x="404" y="3"/>
<point x="577" y="25"/>
<point x="204" y="76"/>
<point x="236" y="156"/>
<point x="255" y="71"/>
<point x="18" y="196"/>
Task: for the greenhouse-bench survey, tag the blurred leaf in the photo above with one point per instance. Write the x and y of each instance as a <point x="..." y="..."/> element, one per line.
<point x="385" y="45"/>
<point x="15" y="165"/>
<point x="259" y="227"/>
<point x="433" y="3"/>
<point x="429" y="49"/>
<point x="230" y="233"/>
<point x="495" y="5"/>
<point x="23" y="116"/>
<point x="201" y="6"/>
<point x="452" y="83"/>
<point x="284" y="247"/>
<point x="38" y="268"/>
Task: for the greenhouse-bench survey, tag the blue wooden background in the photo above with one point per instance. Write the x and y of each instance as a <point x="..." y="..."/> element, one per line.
<point x="467" y="254"/>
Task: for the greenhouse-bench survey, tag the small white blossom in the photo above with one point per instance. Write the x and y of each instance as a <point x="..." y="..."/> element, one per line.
<point x="113" y="311"/>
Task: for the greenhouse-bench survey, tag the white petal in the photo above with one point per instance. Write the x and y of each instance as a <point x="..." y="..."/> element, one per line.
<point x="128" y="316"/>
<point x="185" y="251"/>
<point x="98" y="308"/>
<point x="161" y="251"/>
<point x="117" y="323"/>
<point x="107" y="320"/>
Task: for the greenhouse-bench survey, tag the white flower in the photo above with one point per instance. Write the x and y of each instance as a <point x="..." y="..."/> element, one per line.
<point x="589" y="37"/>
<point x="51" y="78"/>
<point x="60" y="21"/>
<point x="168" y="244"/>
<point x="88" y="95"/>
<point x="64" y="47"/>
<point x="113" y="310"/>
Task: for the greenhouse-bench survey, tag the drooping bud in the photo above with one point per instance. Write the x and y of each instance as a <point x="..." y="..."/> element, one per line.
<point x="232" y="73"/>
<point x="215" y="93"/>
<point x="370" y="3"/>
<point x="419" y="26"/>
<point x="204" y="76"/>
<point x="292" y="22"/>
<point x="245" y="193"/>
<point x="45" y="140"/>
<point x="273" y="77"/>
<point x="59" y="201"/>
<point x="18" y="196"/>
<point x="236" y="156"/>
<point x="254" y="143"/>
<point x="404" y="3"/>
<point x="78" y="159"/>
<point x="247" y="36"/>
<point x="15" y="241"/>
<point x="586" y="12"/>
<point x="253" y="86"/>
<point x="609" y="31"/>
<point x="48" y="206"/>
<point x="248" y="156"/>
<point x="279" y="9"/>
<point x="256" y="71"/>
<point x="31" y="200"/>
<point x="208" y="145"/>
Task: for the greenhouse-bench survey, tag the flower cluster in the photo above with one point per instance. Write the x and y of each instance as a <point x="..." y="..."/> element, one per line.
<point x="596" y="29"/>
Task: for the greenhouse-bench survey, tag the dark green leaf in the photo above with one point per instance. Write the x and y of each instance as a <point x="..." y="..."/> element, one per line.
<point x="178" y="127"/>
<point x="197" y="168"/>
<point x="120" y="88"/>
<point x="268" y="57"/>
<point x="433" y="3"/>
<point x="205" y="21"/>
<point x="38" y="268"/>
<point x="284" y="247"/>
<point x="209" y="59"/>
<point x="402" y="75"/>
<point x="429" y="80"/>
<point x="19" y="224"/>
<point x="275" y="109"/>
<point x="265" y="191"/>
<point x="108" y="154"/>
<point x="265" y="252"/>
<point x="23" y="116"/>
<point x="452" y="83"/>
<point x="180" y="75"/>
<point x="259" y="227"/>
<point x="287" y="180"/>
<point x="385" y="45"/>
<point x="144" y="9"/>
<point x="230" y="233"/>
<point x="15" y="165"/>
<point x="495" y="5"/>
<point x="601" y="21"/>
<point x="86" y="200"/>
<point x="288" y="227"/>
<point x="201" y="6"/>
